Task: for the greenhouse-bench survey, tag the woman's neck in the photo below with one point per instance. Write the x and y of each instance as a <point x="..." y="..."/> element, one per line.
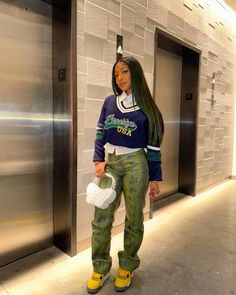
<point x="128" y="92"/>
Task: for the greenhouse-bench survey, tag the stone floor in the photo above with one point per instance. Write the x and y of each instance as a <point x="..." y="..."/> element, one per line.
<point x="189" y="249"/>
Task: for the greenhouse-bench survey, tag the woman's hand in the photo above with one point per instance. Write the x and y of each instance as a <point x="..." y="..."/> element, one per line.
<point x="153" y="190"/>
<point x="100" y="169"/>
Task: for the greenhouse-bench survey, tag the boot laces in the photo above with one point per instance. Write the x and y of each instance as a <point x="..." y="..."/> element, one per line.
<point x="96" y="276"/>
<point x="123" y="274"/>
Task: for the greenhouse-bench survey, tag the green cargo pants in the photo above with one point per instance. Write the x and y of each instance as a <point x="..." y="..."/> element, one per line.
<point x="131" y="174"/>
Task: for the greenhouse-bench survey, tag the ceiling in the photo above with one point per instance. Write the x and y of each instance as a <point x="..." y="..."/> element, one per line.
<point x="231" y="3"/>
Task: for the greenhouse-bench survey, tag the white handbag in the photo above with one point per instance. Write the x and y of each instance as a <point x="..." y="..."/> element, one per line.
<point x="100" y="197"/>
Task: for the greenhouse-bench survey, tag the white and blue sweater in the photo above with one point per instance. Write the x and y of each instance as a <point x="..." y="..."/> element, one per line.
<point x="128" y="127"/>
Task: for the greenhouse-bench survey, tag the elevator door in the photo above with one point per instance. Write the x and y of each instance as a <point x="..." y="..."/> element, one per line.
<point x="168" y="95"/>
<point x="26" y="130"/>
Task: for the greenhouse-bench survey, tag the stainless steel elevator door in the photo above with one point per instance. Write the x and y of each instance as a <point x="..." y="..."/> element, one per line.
<point x="26" y="128"/>
<point x="168" y="96"/>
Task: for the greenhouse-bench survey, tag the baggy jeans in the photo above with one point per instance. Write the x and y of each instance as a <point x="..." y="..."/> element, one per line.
<point x="131" y="174"/>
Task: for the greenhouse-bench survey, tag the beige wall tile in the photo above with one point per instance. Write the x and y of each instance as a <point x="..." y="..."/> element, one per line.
<point x="109" y="53"/>
<point x="89" y="138"/>
<point x="97" y="73"/>
<point x="114" y="6"/>
<point x="109" y="76"/>
<point x="190" y="34"/>
<point x="85" y="215"/>
<point x="126" y="40"/>
<point x="81" y="85"/>
<point x="129" y="3"/>
<point x="114" y="23"/>
<point x="110" y="5"/>
<point x="87" y="162"/>
<point x="148" y="64"/>
<point x="80" y="102"/>
<point x="80" y="23"/>
<point x="140" y="15"/>
<point x="80" y="149"/>
<point x="80" y="121"/>
<point x="83" y="180"/>
<point x="96" y="21"/>
<point x="80" y="46"/>
<point x="137" y="45"/>
<point x="112" y="36"/>
<point x="82" y="64"/>
<point x="140" y="31"/>
<point x="142" y="2"/>
<point x="98" y="92"/>
<point x="175" y="23"/>
<point x="149" y="43"/>
<point x="80" y="5"/>
<point x="157" y="12"/>
<point x="177" y="8"/>
<point x="92" y="112"/>
<point x="93" y="47"/>
<point x="127" y="19"/>
<point x="149" y="78"/>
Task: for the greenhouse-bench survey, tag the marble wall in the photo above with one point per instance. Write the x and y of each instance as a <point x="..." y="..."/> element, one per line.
<point x="203" y="24"/>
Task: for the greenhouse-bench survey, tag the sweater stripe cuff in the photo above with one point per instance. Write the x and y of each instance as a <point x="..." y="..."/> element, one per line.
<point x="154" y="148"/>
<point x="153" y="156"/>
<point x="99" y="134"/>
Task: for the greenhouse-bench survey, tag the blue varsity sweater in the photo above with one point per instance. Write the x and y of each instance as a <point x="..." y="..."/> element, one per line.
<point x="128" y="127"/>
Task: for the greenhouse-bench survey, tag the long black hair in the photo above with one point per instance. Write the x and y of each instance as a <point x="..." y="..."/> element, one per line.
<point x="143" y="97"/>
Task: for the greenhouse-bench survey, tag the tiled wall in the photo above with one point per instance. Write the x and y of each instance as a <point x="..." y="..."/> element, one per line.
<point x="195" y="21"/>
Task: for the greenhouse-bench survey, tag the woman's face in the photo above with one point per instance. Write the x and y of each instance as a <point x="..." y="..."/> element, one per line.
<point x="123" y="77"/>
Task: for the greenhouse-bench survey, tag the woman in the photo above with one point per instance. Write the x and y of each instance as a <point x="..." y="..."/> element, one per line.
<point x="129" y="123"/>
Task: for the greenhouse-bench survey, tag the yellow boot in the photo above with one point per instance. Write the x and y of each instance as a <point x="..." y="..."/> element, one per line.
<point x="96" y="282"/>
<point x="123" y="280"/>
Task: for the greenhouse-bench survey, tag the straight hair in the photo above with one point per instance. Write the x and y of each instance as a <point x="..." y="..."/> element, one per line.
<point x="142" y="95"/>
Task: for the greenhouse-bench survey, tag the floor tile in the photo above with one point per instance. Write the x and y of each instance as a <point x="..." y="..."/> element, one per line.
<point x="2" y="290"/>
<point x="188" y="249"/>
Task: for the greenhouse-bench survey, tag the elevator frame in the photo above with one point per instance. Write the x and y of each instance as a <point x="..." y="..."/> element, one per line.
<point x="64" y="51"/>
<point x="64" y="67"/>
<point x="188" y="108"/>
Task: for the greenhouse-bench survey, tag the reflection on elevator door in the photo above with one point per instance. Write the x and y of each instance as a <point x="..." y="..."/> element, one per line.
<point x="168" y="95"/>
<point x="26" y="131"/>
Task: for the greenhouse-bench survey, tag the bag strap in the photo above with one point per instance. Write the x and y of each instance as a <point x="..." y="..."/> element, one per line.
<point x="113" y="180"/>
<point x="113" y="184"/>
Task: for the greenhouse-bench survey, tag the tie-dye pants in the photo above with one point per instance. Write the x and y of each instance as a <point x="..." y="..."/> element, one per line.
<point x="131" y="175"/>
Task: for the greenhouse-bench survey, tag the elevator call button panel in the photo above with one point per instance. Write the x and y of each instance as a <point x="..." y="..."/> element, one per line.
<point x="189" y="96"/>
